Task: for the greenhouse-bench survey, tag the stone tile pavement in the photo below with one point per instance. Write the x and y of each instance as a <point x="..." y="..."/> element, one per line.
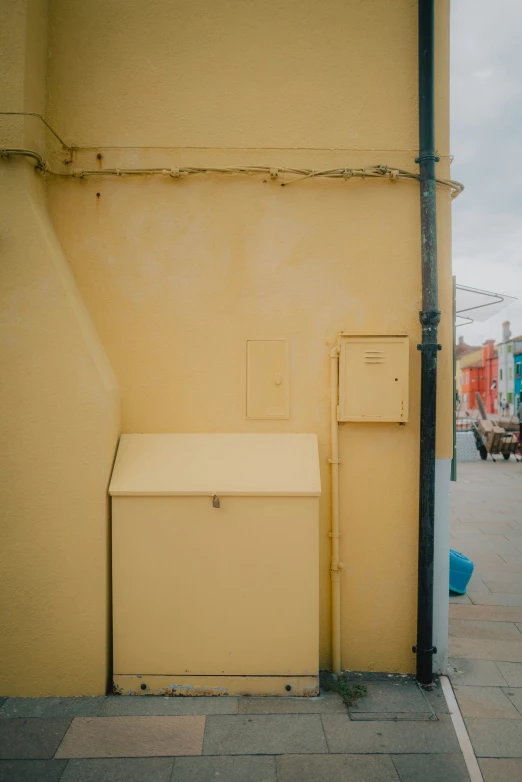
<point x="396" y="733"/>
<point x="485" y="625"/>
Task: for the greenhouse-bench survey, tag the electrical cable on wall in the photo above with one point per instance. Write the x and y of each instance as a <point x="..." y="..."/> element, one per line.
<point x="297" y="174"/>
<point x="376" y="172"/>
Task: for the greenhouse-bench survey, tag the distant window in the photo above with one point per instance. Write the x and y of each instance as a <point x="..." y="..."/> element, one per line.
<point x="518" y="367"/>
<point x="501" y="375"/>
<point x="467" y="377"/>
<point x="494" y="383"/>
<point x="509" y="397"/>
<point x="510" y="373"/>
<point x="510" y="348"/>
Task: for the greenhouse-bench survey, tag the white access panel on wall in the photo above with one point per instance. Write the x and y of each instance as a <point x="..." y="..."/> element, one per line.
<point x="373" y="378"/>
<point x="268" y="375"/>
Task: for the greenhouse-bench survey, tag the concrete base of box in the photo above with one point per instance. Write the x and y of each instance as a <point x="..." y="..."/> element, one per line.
<point x="305" y="686"/>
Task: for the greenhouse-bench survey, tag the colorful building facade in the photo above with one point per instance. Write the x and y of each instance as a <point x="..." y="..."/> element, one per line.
<point x="490" y="363"/>
<point x="469" y="378"/>
<point x="479" y="373"/>
<point x="473" y="381"/>
<point x="518" y="378"/>
<point x="494" y="371"/>
<point x="507" y="349"/>
<point x="461" y="351"/>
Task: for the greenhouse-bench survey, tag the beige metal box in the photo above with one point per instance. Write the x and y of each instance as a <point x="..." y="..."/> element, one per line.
<point x="215" y="564"/>
<point x="373" y="378"/>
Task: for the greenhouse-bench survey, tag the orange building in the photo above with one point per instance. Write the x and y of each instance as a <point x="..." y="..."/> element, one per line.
<point x="490" y="362"/>
<point x="473" y="380"/>
<point x="479" y="372"/>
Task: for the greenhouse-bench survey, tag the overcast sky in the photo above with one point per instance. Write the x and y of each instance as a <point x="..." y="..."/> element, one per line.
<point x="486" y="135"/>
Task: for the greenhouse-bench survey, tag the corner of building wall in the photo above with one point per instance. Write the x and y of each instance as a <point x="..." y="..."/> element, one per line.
<point x="93" y="344"/>
<point x="441" y="564"/>
<point x="106" y="375"/>
<point x="61" y="420"/>
<point x="35" y="72"/>
<point x="60" y="414"/>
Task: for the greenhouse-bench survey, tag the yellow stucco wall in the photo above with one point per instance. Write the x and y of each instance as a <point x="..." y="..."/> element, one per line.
<point x="59" y="416"/>
<point x="178" y="274"/>
<point x="458" y="375"/>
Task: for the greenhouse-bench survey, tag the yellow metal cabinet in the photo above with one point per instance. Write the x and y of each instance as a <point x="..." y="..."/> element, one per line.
<point x="215" y="564"/>
<point x="373" y="378"/>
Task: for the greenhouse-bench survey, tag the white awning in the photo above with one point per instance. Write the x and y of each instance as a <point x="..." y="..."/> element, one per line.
<point x="475" y="304"/>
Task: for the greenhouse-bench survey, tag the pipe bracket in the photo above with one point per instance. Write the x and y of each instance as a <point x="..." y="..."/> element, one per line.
<point x="429" y="346"/>
<point x="427" y="157"/>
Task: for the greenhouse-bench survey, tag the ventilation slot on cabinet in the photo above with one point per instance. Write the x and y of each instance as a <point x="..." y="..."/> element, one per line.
<point x="374" y="357"/>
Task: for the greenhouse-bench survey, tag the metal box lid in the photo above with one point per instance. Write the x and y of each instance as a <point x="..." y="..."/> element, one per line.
<point x="226" y="464"/>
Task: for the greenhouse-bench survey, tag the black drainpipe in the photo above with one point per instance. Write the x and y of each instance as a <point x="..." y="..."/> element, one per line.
<point x="429" y="318"/>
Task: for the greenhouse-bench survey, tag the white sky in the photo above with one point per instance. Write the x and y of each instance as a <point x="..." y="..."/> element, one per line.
<point x="486" y="136"/>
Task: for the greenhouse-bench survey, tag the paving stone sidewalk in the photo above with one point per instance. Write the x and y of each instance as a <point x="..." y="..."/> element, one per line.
<point x="397" y="732"/>
<point x="486" y="624"/>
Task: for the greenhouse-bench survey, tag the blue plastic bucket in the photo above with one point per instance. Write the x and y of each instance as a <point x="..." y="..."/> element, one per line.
<point x="461" y="569"/>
